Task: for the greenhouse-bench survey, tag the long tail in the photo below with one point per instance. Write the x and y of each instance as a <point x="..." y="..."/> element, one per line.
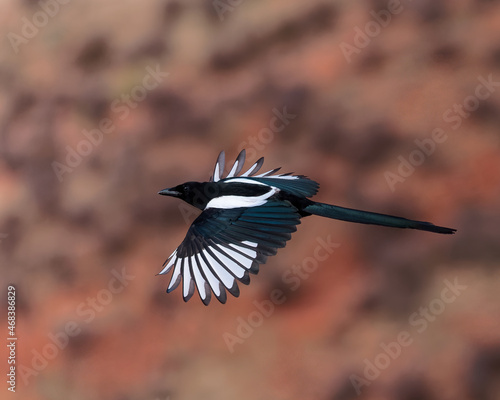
<point x="366" y="217"/>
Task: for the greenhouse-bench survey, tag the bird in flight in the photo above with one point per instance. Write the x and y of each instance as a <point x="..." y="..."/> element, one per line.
<point x="245" y="219"/>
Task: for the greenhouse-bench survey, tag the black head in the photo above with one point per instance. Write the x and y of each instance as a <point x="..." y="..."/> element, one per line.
<point x="197" y="194"/>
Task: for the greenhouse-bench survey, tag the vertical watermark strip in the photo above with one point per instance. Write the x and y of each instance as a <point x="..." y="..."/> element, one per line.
<point x="11" y="338"/>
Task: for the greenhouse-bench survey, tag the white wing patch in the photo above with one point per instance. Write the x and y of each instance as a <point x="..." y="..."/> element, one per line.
<point x="210" y="270"/>
<point x="214" y="283"/>
<point x="226" y="278"/>
<point x="226" y="202"/>
<point x="238" y="271"/>
<point x="283" y="176"/>
<point x="243" y="180"/>
<point x="248" y="252"/>
<point x="239" y="258"/>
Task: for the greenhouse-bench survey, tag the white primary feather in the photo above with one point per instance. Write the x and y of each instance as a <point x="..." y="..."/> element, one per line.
<point x="245" y="261"/>
<point x="170" y="263"/>
<point x="254" y="168"/>
<point x="226" y="278"/>
<point x="234" y="268"/>
<point x="212" y="280"/>
<point x="176" y="275"/>
<point x="198" y="278"/>
<point x="248" y="252"/>
<point x="219" y="167"/>
<point x="187" y="281"/>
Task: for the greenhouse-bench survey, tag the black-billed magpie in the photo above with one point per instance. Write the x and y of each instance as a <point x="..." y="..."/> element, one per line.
<point x="246" y="218"/>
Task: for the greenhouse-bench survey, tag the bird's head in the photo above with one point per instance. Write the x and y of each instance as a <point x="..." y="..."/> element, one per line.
<point x="197" y="194"/>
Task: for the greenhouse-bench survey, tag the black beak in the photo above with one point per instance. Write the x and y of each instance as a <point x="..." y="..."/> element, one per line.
<point x="169" y="192"/>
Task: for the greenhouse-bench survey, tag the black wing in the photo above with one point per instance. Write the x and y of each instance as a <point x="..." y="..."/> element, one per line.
<point x="297" y="185"/>
<point x="224" y="245"/>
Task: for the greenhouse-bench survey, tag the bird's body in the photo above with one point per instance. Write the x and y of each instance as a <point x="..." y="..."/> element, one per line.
<point x="244" y="220"/>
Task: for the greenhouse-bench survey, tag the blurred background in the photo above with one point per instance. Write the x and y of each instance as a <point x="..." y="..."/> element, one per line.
<point x="392" y="106"/>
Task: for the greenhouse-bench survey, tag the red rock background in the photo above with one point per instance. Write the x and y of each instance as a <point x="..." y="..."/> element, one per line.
<point x="62" y="241"/>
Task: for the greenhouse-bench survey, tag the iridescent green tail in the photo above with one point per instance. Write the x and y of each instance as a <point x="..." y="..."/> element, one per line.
<point x="366" y="217"/>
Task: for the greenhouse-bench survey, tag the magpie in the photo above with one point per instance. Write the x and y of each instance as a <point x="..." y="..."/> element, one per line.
<point x="245" y="219"/>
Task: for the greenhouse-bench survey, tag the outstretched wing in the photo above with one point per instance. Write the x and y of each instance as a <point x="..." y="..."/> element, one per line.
<point x="223" y="245"/>
<point x="298" y="185"/>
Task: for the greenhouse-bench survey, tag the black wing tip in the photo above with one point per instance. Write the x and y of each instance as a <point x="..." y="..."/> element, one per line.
<point x="272" y="172"/>
<point x="245" y="279"/>
<point x="254" y="269"/>
<point x="208" y="297"/>
<point x="234" y="290"/>
<point x="446" y="231"/>
<point x="190" y="291"/>
<point x="259" y="162"/>
<point x="223" y="296"/>
<point x="175" y="285"/>
<point x="241" y="161"/>
<point x="206" y="301"/>
<point x="430" y="227"/>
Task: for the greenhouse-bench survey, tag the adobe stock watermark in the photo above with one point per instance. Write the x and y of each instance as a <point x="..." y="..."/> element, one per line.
<point x="121" y="107"/>
<point x="30" y="27"/>
<point x="86" y="310"/>
<point x="222" y="7"/>
<point x="257" y="143"/>
<point x="292" y="278"/>
<point x="454" y="116"/>
<point x="252" y="145"/>
<point x="419" y="322"/>
<point x="363" y="37"/>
